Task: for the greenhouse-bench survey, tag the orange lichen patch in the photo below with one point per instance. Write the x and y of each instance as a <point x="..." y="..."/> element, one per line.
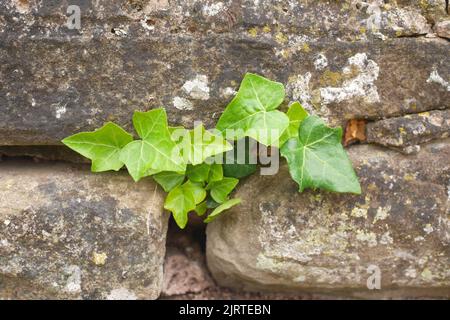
<point x="355" y="131"/>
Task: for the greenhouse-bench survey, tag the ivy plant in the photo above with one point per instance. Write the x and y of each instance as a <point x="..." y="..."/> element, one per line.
<point x="317" y="159"/>
<point x="253" y="111"/>
<point x="183" y="162"/>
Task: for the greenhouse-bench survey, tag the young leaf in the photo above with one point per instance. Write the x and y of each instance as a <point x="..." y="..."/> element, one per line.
<point x="102" y="146"/>
<point x="169" y="180"/>
<point x="220" y="190"/>
<point x="224" y="206"/>
<point x="156" y="150"/>
<point x="151" y="172"/>
<point x="232" y="167"/>
<point x="215" y="172"/>
<point x="180" y="201"/>
<point x="201" y="208"/>
<point x="198" y="173"/>
<point x="317" y="159"/>
<point x="197" y="190"/>
<point x="137" y="155"/>
<point x="252" y="111"/>
<point x="199" y="144"/>
<point x="296" y="115"/>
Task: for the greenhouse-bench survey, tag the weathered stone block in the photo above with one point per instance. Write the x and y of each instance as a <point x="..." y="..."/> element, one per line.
<point x="279" y="239"/>
<point x="190" y="57"/>
<point x="410" y="130"/>
<point x="442" y="29"/>
<point x="69" y="233"/>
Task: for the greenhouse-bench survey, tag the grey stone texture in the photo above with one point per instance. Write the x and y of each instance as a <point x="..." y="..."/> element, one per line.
<point x="66" y="233"/>
<point x="282" y="240"/>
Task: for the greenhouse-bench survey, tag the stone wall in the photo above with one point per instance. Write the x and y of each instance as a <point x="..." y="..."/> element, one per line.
<point x="65" y="232"/>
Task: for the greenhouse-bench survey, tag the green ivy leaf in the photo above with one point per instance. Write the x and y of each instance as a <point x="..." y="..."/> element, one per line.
<point x="180" y="201"/>
<point x="239" y="170"/>
<point x="197" y="190"/>
<point x="317" y="159"/>
<point x="198" y="173"/>
<point x="156" y="150"/>
<point x="169" y="180"/>
<point x="233" y="167"/>
<point x="252" y="111"/>
<point x="215" y="172"/>
<point x="201" y="208"/>
<point x="199" y="144"/>
<point x="210" y="203"/>
<point x="102" y="146"/>
<point x="219" y="190"/>
<point x="296" y="115"/>
<point x="224" y="206"/>
<point x="240" y="167"/>
<point x="174" y="129"/>
<point x="151" y="172"/>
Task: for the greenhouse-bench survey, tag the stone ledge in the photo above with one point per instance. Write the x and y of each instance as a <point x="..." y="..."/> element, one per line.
<point x="51" y="90"/>
<point x="410" y="131"/>
<point x="345" y="19"/>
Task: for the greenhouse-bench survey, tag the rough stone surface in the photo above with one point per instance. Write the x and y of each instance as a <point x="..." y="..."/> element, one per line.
<point x="279" y="239"/>
<point x="362" y="61"/>
<point x="442" y="29"/>
<point x="68" y="233"/>
<point x="410" y="130"/>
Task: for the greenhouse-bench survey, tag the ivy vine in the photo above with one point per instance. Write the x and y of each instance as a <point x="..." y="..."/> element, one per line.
<point x="188" y="164"/>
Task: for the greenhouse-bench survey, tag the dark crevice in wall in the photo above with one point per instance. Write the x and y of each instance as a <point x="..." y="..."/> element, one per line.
<point x="420" y="35"/>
